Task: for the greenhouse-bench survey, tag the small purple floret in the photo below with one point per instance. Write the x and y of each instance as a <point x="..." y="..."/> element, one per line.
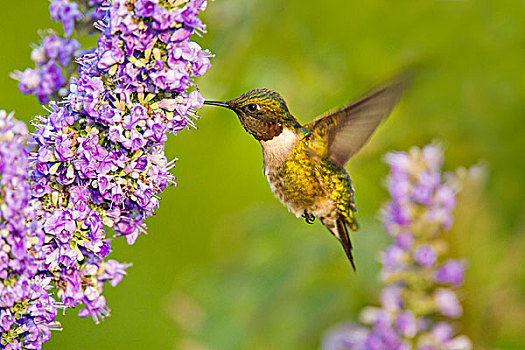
<point x="451" y="272"/>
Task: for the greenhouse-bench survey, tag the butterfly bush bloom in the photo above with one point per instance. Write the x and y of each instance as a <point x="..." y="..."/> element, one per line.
<point x="27" y="311"/>
<point x="420" y="297"/>
<point x="54" y="57"/>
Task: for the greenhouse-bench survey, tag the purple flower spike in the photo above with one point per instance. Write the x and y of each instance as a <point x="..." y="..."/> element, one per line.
<point x="97" y="163"/>
<point x="420" y="210"/>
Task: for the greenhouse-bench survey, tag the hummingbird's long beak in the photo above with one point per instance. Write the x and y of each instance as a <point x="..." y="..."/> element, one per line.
<point x="217" y="103"/>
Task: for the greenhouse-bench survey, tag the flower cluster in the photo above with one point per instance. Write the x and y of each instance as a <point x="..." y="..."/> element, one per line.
<point x="419" y="298"/>
<point x="99" y="161"/>
<point x="53" y="58"/>
<point x="47" y="78"/>
<point x="27" y="310"/>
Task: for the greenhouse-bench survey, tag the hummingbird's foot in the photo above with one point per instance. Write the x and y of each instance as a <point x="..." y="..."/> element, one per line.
<point x="309" y="218"/>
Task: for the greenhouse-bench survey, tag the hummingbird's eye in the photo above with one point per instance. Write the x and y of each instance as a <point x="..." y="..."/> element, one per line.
<point x="252" y="107"/>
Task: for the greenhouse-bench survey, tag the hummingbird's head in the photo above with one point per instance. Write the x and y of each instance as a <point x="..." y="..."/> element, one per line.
<point x="262" y="112"/>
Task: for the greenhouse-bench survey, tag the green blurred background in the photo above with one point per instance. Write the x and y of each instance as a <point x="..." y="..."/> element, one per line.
<point x="224" y="265"/>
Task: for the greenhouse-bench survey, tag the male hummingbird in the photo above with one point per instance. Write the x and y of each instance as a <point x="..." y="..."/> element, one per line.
<point x="305" y="164"/>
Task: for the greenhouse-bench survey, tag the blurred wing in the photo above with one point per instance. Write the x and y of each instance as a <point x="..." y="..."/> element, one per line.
<point x="344" y="132"/>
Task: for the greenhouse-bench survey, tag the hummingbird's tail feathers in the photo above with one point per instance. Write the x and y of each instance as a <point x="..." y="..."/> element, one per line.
<point x="344" y="238"/>
<point x="338" y="227"/>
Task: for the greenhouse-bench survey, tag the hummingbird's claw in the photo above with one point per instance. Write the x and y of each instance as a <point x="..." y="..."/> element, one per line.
<point x="309" y="218"/>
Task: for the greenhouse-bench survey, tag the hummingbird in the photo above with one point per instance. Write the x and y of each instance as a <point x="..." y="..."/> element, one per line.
<point x="304" y="164"/>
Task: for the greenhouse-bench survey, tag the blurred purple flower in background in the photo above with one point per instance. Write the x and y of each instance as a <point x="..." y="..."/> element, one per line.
<point x="419" y="296"/>
<point x="98" y="159"/>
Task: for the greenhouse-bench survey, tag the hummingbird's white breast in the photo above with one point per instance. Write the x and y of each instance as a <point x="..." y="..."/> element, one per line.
<point x="276" y="150"/>
<point x="275" y="153"/>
